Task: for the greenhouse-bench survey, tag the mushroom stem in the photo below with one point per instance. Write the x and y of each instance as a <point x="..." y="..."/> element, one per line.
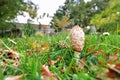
<point x="76" y="55"/>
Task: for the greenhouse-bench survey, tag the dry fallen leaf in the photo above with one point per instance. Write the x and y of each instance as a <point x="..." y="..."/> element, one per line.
<point x="112" y="58"/>
<point x="117" y="50"/>
<point x="60" y="58"/>
<point x="62" y="44"/>
<point x="73" y="69"/>
<point x="34" y="45"/>
<point x="114" y="71"/>
<point x="29" y="52"/>
<point x="117" y="66"/>
<point x="45" y="45"/>
<point x="86" y="42"/>
<point x="44" y="48"/>
<point x="52" y="62"/>
<point x="9" y="56"/>
<point x="63" y="69"/>
<point x="81" y="64"/>
<point x="18" y="77"/>
<point x="113" y="74"/>
<point x="90" y="49"/>
<point x="102" y="75"/>
<point x="46" y="74"/>
<point x="46" y="71"/>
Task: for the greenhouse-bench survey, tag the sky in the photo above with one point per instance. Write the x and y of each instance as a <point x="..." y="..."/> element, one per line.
<point x="45" y="6"/>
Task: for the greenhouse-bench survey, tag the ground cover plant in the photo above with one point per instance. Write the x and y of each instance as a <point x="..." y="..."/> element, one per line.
<point x="51" y="58"/>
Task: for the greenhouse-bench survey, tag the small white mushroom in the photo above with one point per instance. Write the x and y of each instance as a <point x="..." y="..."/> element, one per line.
<point x="106" y="33"/>
<point x="77" y="37"/>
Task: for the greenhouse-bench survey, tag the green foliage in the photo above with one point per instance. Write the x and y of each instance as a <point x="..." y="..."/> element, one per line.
<point x="29" y="30"/>
<point x="108" y="19"/>
<point x="6" y="25"/>
<point x="79" y="11"/>
<point x="9" y="9"/>
<point x="63" y="22"/>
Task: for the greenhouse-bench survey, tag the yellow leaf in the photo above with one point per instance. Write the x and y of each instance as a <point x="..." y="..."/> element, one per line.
<point x="34" y="45"/>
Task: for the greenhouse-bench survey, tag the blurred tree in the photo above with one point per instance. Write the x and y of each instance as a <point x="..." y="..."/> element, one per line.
<point x="9" y="9"/>
<point x="63" y="22"/>
<point x="108" y="19"/>
<point x="80" y="11"/>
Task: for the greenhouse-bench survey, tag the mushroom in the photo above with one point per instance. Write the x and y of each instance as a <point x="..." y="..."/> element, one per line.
<point x="77" y="40"/>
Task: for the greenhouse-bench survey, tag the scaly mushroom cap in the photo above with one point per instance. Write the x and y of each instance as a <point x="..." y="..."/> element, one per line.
<point x="77" y="38"/>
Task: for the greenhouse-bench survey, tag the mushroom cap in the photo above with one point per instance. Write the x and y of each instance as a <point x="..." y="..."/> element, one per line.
<point x="77" y="38"/>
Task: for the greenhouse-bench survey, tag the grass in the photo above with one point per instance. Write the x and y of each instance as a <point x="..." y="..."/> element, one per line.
<point x="94" y="56"/>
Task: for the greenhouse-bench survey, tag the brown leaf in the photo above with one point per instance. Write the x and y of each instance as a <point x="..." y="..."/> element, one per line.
<point x="102" y="75"/>
<point x="113" y="74"/>
<point x="44" y="48"/>
<point x="62" y="44"/>
<point x="45" y="45"/>
<point x="117" y="50"/>
<point x="117" y="66"/>
<point x="19" y="77"/>
<point x="10" y="57"/>
<point x="14" y="49"/>
<point x="112" y="58"/>
<point x="52" y="62"/>
<point x="73" y="69"/>
<point x="46" y="74"/>
<point x="46" y="71"/>
<point x="48" y="78"/>
<point x="63" y="69"/>
<point x="99" y="52"/>
<point x="81" y="63"/>
<point x="90" y="49"/>
<point x="114" y="71"/>
<point x="86" y="41"/>
<point x="29" y="52"/>
<point x="60" y="58"/>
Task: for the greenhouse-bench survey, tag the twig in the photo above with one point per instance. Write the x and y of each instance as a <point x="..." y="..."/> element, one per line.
<point x="12" y="41"/>
<point x="112" y="68"/>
